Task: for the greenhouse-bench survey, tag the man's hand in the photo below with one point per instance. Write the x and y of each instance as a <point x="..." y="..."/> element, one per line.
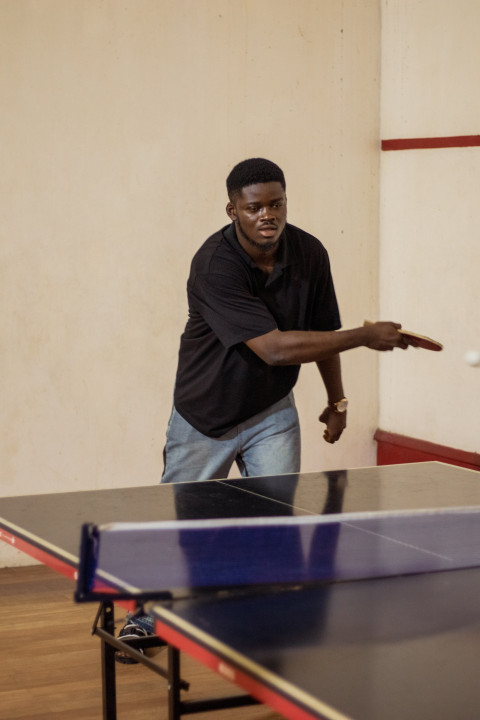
<point x="335" y="422"/>
<point x="385" y="336"/>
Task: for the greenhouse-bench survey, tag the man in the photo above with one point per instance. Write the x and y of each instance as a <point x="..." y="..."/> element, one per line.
<point x="261" y="303"/>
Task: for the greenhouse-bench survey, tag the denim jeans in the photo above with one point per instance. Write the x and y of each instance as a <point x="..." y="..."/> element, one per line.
<point x="266" y="444"/>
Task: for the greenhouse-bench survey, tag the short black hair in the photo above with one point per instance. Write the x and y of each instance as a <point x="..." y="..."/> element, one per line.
<point x="251" y="172"/>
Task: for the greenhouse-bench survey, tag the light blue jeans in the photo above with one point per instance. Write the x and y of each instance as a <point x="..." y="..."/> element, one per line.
<point x="266" y="444"/>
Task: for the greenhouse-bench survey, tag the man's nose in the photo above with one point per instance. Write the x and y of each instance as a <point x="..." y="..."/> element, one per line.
<point x="266" y="213"/>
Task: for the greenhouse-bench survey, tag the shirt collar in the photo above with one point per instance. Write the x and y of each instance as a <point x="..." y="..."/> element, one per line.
<point x="285" y="255"/>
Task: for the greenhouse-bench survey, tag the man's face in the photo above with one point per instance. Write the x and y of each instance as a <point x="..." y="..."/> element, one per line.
<point x="259" y="213"/>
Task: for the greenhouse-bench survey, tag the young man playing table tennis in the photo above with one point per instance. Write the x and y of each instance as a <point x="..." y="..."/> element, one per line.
<point x="261" y="302"/>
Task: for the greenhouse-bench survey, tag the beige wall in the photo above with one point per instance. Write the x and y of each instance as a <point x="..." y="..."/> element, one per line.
<point x="119" y="123"/>
<point x="430" y="218"/>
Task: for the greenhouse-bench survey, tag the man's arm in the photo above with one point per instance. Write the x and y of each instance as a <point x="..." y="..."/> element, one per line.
<point x="294" y="347"/>
<point x="331" y="372"/>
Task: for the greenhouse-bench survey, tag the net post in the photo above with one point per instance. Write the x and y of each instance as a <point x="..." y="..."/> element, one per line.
<point x="87" y="562"/>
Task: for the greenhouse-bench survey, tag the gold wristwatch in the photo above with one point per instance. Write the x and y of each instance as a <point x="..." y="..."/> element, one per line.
<point x="340" y="406"/>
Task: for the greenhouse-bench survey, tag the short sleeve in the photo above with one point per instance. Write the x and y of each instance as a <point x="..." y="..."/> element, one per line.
<point x="232" y="312"/>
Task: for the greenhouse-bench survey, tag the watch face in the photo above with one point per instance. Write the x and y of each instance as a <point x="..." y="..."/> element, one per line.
<point x="341" y="405"/>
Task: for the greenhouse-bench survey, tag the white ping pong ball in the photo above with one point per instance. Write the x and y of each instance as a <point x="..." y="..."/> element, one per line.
<point x="472" y="357"/>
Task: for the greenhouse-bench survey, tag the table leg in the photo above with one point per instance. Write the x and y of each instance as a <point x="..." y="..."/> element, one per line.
<point x="108" y="664"/>
<point x="174" y="704"/>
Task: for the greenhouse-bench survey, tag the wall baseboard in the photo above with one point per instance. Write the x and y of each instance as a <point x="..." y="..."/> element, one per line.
<point x="393" y="449"/>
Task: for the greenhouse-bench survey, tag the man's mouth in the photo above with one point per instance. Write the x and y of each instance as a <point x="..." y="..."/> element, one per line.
<point x="268" y="230"/>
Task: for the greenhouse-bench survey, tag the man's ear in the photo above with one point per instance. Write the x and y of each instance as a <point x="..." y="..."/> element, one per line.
<point x="230" y="209"/>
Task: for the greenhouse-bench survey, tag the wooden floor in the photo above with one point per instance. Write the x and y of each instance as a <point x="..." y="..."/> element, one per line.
<point x="50" y="662"/>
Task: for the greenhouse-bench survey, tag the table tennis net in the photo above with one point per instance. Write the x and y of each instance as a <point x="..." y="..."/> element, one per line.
<point x="152" y="559"/>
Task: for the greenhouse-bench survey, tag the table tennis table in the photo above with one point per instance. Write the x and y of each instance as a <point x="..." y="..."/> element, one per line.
<point x="339" y="594"/>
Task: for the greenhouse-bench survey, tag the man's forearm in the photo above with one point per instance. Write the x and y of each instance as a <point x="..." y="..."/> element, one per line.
<point x="294" y="347"/>
<point x="331" y="372"/>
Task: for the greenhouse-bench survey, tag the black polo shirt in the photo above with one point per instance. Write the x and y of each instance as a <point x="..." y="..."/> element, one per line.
<point x="220" y="382"/>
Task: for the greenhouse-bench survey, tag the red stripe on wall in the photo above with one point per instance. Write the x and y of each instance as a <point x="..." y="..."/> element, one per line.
<point x="393" y="449"/>
<point x="436" y="142"/>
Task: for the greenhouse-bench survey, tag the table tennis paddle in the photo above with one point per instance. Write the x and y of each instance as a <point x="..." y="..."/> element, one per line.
<point x="416" y="340"/>
<point x="421" y="341"/>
